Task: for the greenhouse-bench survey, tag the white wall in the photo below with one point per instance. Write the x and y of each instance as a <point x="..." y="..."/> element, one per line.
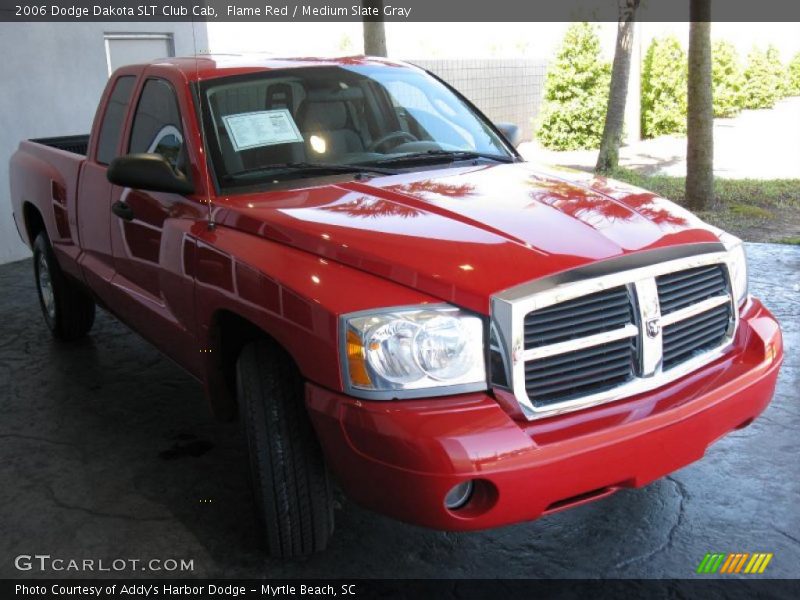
<point x="51" y="78"/>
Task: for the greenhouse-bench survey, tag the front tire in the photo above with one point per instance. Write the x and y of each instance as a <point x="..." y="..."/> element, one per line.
<point x="67" y="309"/>
<point x="291" y="487"/>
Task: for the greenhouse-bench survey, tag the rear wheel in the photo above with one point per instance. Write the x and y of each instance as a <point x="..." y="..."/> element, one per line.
<point x="68" y="310"/>
<point x="291" y="487"/>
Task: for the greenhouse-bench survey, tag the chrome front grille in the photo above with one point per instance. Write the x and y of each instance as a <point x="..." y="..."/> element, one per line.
<point x="587" y="341"/>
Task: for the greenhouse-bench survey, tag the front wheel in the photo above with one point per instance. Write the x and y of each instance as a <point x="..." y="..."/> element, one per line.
<point x="291" y="488"/>
<point x="68" y="310"/>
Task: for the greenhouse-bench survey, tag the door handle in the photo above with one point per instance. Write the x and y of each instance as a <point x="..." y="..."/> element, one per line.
<point x="122" y="210"/>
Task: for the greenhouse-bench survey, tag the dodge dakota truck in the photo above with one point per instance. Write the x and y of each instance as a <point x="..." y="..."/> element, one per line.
<point x="361" y="268"/>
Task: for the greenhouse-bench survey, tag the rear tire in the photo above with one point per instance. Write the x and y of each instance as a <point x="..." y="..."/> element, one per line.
<point x="291" y="487"/>
<point x="68" y="310"/>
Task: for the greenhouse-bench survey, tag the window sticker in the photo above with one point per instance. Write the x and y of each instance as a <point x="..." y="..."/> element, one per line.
<point x="261" y="128"/>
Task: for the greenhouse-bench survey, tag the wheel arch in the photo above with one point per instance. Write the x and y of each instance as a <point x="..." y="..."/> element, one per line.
<point x="33" y="221"/>
<point x="229" y="334"/>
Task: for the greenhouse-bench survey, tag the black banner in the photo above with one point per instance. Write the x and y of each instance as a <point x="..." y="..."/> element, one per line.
<point x="388" y="10"/>
<point x="412" y="589"/>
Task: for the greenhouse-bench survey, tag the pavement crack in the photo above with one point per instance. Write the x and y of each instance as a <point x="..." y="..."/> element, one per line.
<point x="669" y="540"/>
<point x="786" y="535"/>
<point x="97" y="513"/>
<point x="34" y="438"/>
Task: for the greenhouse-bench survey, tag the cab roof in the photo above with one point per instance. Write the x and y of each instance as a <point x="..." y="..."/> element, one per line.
<point x="210" y="66"/>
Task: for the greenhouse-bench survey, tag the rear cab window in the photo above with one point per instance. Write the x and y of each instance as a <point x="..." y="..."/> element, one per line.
<point x="113" y="119"/>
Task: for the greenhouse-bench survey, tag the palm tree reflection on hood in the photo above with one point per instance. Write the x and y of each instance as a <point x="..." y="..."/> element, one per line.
<point x="597" y="209"/>
<point x="427" y="187"/>
<point x="369" y="207"/>
<point x="652" y="207"/>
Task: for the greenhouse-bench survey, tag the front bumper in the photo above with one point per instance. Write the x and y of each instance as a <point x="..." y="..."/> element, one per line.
<point x="401" y="458"/>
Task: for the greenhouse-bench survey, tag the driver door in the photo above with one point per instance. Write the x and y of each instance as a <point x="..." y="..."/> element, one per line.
<point x="150" y="239"/>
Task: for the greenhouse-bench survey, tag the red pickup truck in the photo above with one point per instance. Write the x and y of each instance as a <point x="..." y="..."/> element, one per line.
<point x="351" y="258"/>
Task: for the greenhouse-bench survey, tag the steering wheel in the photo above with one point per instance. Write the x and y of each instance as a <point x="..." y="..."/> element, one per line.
<point x="390" y="137"/>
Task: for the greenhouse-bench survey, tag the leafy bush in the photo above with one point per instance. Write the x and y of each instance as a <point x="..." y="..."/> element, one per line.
<point x="760" y="89"/>
<point x="794" y="76"/>
<point x="575" y="93"/>
<point x="777" y="71"/>
<point x="727" y="79"/>
<point x="664" y="88"/>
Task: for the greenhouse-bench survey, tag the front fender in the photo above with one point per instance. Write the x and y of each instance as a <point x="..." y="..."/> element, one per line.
<point x="292" y="295"/>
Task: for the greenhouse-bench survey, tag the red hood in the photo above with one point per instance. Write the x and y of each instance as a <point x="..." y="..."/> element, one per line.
<point x="462" y="234"/>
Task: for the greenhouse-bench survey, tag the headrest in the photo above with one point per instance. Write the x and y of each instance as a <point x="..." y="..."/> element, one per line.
<point x="279" y="95"/>
<point x="324" y="116"/>
<point x="334" y="94"/>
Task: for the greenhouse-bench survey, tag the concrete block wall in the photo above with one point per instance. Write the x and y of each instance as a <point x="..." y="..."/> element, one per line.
<point x="504" y="89"/>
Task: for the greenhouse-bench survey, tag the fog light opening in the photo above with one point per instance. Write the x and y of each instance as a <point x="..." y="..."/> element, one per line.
<point x="459" y="495"/>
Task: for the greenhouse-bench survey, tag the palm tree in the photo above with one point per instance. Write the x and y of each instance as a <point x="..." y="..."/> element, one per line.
<point x="608" y="158"/>
<point x="374" y="32"/>
<point x="700" y="112"/>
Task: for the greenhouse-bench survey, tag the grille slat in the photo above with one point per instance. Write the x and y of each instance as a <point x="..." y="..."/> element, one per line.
<point x="701" y="332"/>
<point x="706" y="332"/>
<point x="689" y="352"/>
<point x="586" y="303"/>
<point x="567" y="320"/>
<point x="718" y="315"/>
<point x="574" y="358"/>
<point x="553" y="336"/>
<point x="669" y="278"/>
<point x="697" y="334"/>
<point x="562" y="374"/>
<point x="587" y="372"/>
<point x="686" y="297"/>
<point x="684" y="288"/>
<point x="696" y="282"/>
<point x="553" y="393"/>
<point x="581" y="317"/>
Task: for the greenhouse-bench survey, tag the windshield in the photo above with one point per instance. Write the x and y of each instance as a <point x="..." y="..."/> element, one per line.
<point x="267" y="127"/>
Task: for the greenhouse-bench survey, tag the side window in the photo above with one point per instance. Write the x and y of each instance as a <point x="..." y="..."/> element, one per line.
<point x="111" y="127"/>
<point x="157" y="123"/>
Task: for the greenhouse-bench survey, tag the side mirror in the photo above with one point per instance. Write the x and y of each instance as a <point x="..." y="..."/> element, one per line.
<point x="510" y="132"/>
<point x="150" y="172"/>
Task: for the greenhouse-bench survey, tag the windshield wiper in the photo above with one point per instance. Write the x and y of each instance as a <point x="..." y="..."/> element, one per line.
<point x="309" y="167"/>
<point x="439" y="155"/>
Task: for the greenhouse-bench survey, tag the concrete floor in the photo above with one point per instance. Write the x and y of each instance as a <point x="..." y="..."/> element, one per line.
<point x="107" y="451"/>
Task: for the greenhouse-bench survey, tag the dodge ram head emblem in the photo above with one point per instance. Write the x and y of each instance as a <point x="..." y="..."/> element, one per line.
<point x="653" y="327"/>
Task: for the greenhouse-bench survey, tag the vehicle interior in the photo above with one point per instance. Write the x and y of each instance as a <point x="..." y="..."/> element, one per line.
<point x="339" y="116"/>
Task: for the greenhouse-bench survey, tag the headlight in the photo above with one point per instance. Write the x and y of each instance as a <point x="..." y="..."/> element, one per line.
<point x="737" y="264"/>
<point x="413" y="352"/>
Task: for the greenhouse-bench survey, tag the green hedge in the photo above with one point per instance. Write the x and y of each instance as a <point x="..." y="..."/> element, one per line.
<point x="761" y="90"/>
<point x="575" y="93"/>
<point x="794" y="76"/>
<point x="664" y="88"/>
<point x="778" y="72"/>
<point x="727" y="79"/>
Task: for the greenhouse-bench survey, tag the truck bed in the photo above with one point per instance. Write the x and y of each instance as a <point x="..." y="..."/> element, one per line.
<point x="77" y="144"/>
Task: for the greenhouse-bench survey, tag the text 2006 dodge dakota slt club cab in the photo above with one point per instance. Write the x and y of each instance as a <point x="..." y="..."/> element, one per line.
<point x="354" y="261"/>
